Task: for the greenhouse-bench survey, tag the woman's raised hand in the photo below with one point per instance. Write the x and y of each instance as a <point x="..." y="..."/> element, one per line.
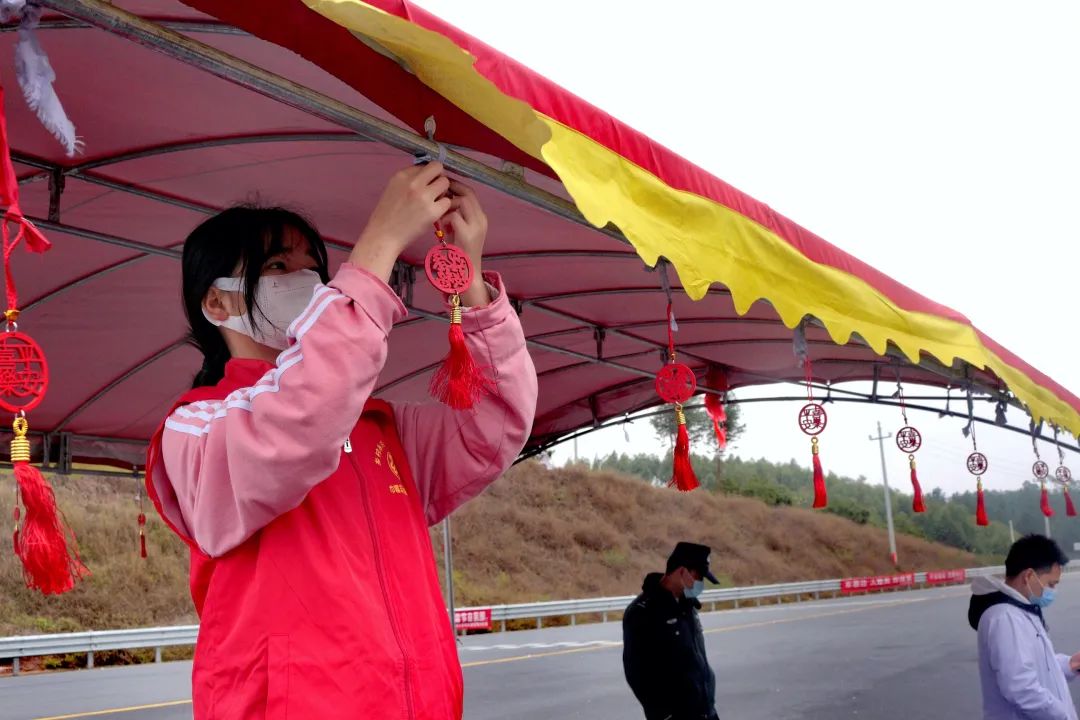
<point x="413" y="199"/>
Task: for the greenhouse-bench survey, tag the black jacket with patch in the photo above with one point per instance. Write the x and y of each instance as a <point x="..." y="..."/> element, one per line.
<point x="664" y="655"/>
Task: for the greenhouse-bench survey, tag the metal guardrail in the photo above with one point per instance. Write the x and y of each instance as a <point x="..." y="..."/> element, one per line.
<point x="736" y="595"/>
<point x="184" y="635"/>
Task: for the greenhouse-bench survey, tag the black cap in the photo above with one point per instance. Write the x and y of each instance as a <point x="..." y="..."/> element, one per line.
<point x="692" y="557"/>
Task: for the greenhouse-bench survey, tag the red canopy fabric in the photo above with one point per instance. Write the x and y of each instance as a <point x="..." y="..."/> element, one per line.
<point x="166" y="144"/>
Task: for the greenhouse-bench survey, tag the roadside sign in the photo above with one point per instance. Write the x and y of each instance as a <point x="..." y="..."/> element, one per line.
<point x="473" y="619"/>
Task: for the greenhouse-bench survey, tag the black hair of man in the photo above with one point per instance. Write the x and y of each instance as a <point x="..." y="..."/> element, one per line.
<point x="1033" y="552"/>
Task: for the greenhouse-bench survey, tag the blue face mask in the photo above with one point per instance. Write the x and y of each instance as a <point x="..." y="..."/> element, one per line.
<point x="1046" y="598"/>
<point x="695" y="591"/>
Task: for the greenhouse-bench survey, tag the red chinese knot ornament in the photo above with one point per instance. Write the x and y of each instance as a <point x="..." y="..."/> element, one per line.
<point x="458" y="382"/>
<point x="24" y="373"/>
<point x="43" y="543"/>
<point x="676" y="383"/>
<point x="977" y="465"/>
<point x="812" y="421"/>
<point x="449" y="268"/>
<point x="908" y="439"/>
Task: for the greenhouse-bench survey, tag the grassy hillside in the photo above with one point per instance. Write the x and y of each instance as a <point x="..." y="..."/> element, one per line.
<point x="537" y="534"/>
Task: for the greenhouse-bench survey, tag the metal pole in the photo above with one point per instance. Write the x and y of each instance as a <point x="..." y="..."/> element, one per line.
<point x="1012" y="534"/>
<point x="448" y="555"/>
<point x="129" y="26"/>
<point x="881" y="438"/>
<point x="1047" y="521"/>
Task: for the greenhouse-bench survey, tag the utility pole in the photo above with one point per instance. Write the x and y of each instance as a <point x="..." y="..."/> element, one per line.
<point x="888" y="500"/>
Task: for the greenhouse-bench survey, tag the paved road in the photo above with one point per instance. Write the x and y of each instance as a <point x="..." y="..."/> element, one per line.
<point x="887" y="657"/>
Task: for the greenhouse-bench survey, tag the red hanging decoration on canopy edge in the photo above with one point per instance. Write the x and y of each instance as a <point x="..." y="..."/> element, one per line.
<point x="1041" y="470"/>
<point x="43" y="542"/>
<point x="1064" y="476"/>
<point x="977" y="465"/>
<point x="675" y="384"/>
<point x="716" y="380"/>
<point x="812" y="421"/>
<point x="458" y="382"/>
<point x="909" y="440"/>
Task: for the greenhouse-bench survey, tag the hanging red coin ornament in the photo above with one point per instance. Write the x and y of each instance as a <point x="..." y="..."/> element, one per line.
<point x="676" y="383"/>
<point x="716" y="380"/>
<point x="43" y="543"/>
<point x="812" y="421"/>
<point x="1041" y="471"/>
<point x="1063" y="476"/>
<point x="977" y="465"/>
<point x="909" y="440"/>
<point x="458" y="382"/>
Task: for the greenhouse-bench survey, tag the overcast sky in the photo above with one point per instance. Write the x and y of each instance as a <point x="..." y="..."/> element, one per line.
<point x="937" y="141"/>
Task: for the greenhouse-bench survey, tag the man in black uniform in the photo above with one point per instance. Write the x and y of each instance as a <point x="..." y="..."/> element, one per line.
<point x="663" y="644"/>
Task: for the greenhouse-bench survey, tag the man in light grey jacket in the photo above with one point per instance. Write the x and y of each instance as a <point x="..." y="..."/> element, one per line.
<point x="1022" y="677"/>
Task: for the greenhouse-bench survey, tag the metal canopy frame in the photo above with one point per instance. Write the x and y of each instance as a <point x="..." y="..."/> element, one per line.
<point x="166" y="37"/>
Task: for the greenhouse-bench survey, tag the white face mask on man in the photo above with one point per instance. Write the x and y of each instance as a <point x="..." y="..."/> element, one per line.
<point x="279" y="300"/>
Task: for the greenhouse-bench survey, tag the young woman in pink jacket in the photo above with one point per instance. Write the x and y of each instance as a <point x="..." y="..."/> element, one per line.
<point x="305" y="502"/>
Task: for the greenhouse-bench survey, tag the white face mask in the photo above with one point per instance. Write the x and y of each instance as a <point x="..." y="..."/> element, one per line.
<point x="279" y="298"/>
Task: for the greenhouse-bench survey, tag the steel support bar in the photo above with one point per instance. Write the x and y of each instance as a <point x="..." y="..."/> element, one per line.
<point x="107" y="239"/>
<point x="639" y="415"/>
<point x="151" y="35"/>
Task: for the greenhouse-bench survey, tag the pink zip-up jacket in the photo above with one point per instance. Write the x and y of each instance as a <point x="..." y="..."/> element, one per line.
<point x="306" y="505"/>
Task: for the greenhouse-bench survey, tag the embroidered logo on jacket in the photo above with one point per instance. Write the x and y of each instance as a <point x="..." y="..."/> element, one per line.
<point x="380" y="451"/>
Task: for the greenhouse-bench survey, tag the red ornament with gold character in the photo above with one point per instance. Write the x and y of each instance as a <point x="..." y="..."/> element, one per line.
<point x="42" y="541"/>
<point x="812" y="421"/>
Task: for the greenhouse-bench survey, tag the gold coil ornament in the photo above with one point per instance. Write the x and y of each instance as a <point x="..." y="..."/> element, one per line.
<point x="680" y="416"/>
<point x="455" y="310"/>
<point x="20" y="444"/>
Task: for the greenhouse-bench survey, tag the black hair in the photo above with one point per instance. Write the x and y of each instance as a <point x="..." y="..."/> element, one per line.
<point x="244" y="237"/>
<point x="1034" y="552"/>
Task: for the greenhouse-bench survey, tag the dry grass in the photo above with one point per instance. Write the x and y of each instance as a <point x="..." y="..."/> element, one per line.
<point x="537" y="534"/>
<point x="541" y="534"/>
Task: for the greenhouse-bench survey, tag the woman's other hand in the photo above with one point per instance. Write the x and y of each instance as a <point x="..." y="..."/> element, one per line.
<point x="413" y="199"/>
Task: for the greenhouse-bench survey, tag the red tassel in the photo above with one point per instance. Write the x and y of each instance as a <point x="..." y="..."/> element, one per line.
<point x="682" y="475"/>
<point x="714" y="405"/>
<point x="1070" y="509"/>
<point x="721" y="434"/>
<point x="142" y="535"/>
<point x="458" y="383"/>
<point x="1044" y="502"/>
<point x="980" y="508"/>
<point x="917" y="504"/>
<point x="821" y="496"/>
<point x="49" y="565"/>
